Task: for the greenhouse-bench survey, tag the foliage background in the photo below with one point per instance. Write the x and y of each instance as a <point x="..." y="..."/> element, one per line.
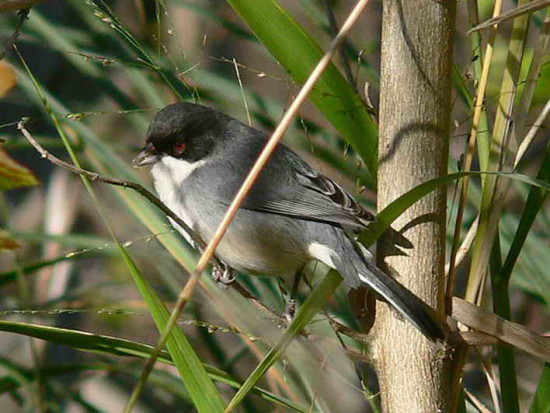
<point x="68" y="272"/>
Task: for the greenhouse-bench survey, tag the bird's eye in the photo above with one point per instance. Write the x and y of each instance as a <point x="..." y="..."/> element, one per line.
<point x="179" y="148"/>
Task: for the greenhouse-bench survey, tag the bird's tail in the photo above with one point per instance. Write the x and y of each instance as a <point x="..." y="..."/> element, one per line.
<point x="357" y="270"/>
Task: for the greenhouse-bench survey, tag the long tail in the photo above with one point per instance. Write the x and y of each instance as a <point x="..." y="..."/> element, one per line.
<point x="357" y="270"/>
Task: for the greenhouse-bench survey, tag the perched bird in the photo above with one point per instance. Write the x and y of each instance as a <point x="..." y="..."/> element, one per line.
<point x="199" y="158"/>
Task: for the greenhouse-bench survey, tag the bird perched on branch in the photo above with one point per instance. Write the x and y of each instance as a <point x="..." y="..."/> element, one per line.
<point x="200" y="157"/>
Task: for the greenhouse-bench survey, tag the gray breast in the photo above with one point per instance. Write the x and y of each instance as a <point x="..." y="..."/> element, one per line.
<point x="255" y="242"/>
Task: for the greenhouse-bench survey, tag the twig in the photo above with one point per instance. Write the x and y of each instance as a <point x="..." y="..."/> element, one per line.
<point x="343" y="56"/>
<point x="94" y="176"/>
<point x="242" y="92"/>
<point x="532" y="133"/>
<point x="9" y="43"/>
<point x="266" y="153"/>
<point x="464" y="248"/>
<point x="511" y="14"/>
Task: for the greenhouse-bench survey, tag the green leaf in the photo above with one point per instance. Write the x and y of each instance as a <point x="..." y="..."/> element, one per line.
<point x="299" y="53"/>
<point x="14" y="175"/>
<point x="114" y="346"/>
<point x="533" y="205"/>
<point x="83" y="340"/>
<point x="385" y="218"/>
<point x="541" y="402"/>
<point x="306" y="312"/>
<point x="202" y="391"/>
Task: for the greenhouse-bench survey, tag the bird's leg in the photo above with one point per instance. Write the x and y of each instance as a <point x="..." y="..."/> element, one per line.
<point x="291" y="305"/>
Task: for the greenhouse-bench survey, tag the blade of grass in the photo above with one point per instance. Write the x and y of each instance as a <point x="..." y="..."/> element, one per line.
<point x="202" y="391"/>
<point x="500" y="282"/>
<point x="286" y="39"/>
<point x="501" y="156"/>
<point x="105" y="14"/>
<point x="9" y="276"/>
<point x="491" y="203"/>
<point x="533" y="205"/>
<point x="385" y="218"/>
<point x="472" y="142"/>
<point x="114" y="346"/>
<point x="483" y="135"/>
<point x="306" y="312"/>
<point x="506" y="357"/>
<point x="541" y="402"/>
<point x="520" y="126"/>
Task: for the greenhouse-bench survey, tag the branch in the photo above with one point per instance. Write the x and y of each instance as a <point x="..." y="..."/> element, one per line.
<point x="94" y="176"/>
<point x="506" y="331"/>
<point x="9" y="43"/>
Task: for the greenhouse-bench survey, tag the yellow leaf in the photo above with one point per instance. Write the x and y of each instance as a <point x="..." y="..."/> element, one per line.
<point x="7" y="242"/>
<point x="13" y="174"/>
<point x="8" y="78"/>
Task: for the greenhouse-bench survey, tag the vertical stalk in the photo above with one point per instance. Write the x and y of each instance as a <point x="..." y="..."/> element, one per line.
<point x="415" y="104"/>
<point x="506" y="357"/>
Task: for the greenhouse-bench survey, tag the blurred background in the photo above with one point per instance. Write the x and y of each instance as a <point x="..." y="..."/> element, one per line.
<point x="103" y="80"/>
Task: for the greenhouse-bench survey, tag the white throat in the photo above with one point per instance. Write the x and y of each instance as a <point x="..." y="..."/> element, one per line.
<point x="168" y="176"/>
<point x="177" y="169"/>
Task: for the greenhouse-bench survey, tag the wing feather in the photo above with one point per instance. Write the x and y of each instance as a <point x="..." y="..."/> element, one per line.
<point x="306" y="194"/>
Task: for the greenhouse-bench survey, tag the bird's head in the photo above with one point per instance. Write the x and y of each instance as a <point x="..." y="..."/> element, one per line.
<point x="185" y="131"/>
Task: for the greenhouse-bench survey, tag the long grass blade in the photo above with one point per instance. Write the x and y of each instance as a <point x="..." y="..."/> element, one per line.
<point x="333" y="95"/>
<point x="541" y="402"/>
<point x="114" y="346"/>
<point x="201" y="389"/>
<point x="308" y="310"/>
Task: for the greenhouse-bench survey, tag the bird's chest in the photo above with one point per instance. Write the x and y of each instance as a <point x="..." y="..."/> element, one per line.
<point x="169" y="177"/>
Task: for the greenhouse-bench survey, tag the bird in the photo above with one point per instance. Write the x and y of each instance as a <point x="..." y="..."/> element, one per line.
<point x="199" y="157"/>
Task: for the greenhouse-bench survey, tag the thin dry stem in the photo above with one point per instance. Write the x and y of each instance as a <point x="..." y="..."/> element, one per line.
<point x="532" y="133"/>
<point x="94" y="176"/>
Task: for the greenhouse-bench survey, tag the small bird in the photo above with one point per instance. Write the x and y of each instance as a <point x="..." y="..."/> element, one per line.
<point x="200" y="157"/>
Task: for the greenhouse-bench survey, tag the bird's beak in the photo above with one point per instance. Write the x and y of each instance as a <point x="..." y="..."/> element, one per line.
<point x="146" y="156"/>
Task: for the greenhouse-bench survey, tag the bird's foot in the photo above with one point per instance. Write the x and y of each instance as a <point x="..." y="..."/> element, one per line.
<point x="224" y="276"/>
<point x="290" y="310"/>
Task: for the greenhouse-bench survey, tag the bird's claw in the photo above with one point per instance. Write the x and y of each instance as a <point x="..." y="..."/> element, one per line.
<point x="223" y="276"/>
<point x="290" y="310"/>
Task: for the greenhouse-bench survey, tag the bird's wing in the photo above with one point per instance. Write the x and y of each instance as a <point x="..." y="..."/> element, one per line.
<point x="304" y="193"/>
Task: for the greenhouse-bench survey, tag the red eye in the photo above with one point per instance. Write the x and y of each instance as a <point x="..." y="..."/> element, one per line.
<point x="179" y="148"/>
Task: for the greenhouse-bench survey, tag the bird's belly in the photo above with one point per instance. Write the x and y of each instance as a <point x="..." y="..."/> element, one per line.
<point x="258" y="244"/>
<point x="258" y="256"/>
<point x="255" y="242"/>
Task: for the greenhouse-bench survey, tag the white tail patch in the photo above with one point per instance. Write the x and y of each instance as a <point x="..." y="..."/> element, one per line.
<point x="366" y="253"/>
<point x="322" y="253"/>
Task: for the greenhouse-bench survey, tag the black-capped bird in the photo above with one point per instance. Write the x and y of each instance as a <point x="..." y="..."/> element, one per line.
<point x="200" y="157"/>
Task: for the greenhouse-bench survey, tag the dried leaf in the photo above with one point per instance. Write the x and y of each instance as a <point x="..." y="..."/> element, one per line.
<point x="506" y="331"/>
<point x="8" y="78"/>
<point x="13" y="5"/>
<point x="512" y="14"/>
<point x="12" y="174"/>
<point x="7" y="242"/>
